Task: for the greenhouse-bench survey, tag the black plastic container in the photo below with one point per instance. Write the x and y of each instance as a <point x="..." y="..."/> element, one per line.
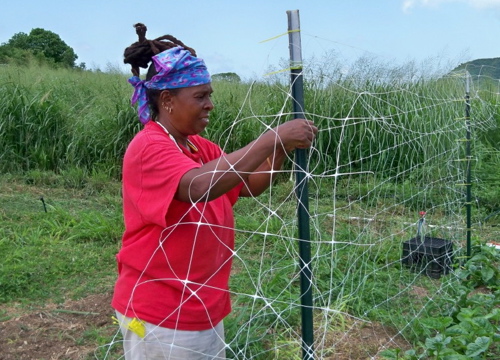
<point x="433" y="256"/>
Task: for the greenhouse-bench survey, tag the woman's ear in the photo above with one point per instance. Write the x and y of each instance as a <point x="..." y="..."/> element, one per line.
<point x="166" y="98"/>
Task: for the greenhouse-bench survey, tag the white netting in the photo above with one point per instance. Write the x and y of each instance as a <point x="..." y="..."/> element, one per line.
<point x="391" y="143"/>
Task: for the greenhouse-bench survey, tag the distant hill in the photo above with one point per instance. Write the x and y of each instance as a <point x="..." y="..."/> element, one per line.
<point x="481" y="67"/>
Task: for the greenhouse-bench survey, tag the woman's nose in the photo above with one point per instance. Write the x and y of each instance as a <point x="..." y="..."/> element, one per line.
<point x="209" y="104"/>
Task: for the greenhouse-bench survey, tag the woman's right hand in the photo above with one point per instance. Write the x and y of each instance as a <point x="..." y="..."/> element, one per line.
<point x="296" y="134"/>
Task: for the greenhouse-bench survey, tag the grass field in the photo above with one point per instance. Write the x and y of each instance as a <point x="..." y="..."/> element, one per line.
<point x="386" y="150"/>
<point x="58" y="271"/>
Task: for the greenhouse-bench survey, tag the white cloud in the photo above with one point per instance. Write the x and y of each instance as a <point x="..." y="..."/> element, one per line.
<point x="481" y="4"/>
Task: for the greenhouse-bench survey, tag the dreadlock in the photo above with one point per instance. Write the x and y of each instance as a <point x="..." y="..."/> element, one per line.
<point x="140" y="54"/>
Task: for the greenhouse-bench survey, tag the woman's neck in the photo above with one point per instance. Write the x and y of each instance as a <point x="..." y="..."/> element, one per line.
<point x="173" y="133"/>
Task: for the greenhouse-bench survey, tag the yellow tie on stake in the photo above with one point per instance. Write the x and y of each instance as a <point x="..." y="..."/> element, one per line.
<point x="135" y="325"/>
<point x="294" y="66"/>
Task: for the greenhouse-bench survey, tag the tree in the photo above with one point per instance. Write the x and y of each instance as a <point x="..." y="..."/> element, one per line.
<point x="46" y="43"/>
<point x="15" y="55"/>
<point x="19" y="41"/>
<point x="229" y="76"/>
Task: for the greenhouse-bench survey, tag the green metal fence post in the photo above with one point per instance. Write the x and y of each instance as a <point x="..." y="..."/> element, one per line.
<point x="301" y="189"/>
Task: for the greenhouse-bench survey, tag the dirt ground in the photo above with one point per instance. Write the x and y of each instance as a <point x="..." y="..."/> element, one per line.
<point x="58" y="332"/>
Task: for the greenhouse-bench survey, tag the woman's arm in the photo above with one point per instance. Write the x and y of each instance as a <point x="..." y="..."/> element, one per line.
<point x="218" y="176"/>
<point x="259" y="180"/>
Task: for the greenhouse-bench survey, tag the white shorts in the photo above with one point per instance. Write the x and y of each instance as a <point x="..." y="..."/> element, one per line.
<point x="153" y="342"/>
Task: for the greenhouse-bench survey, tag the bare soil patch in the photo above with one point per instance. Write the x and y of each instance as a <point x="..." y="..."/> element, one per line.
<point x="57" y="332"/>
<point x="363" y="341"/>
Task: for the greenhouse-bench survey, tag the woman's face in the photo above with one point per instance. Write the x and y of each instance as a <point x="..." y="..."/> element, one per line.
<point x="190" y="108"/>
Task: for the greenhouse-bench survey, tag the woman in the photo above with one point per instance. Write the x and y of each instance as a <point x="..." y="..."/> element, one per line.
<point x="172" y="291"/>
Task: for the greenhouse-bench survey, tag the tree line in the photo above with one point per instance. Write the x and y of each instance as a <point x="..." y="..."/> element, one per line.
<point x="39" y="45"/>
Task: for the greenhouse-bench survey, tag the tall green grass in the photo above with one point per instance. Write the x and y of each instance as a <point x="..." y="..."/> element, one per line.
<point x="62" y="119"/>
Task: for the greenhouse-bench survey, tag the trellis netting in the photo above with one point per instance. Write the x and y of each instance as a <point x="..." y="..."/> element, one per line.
<point x="391" y="146"/>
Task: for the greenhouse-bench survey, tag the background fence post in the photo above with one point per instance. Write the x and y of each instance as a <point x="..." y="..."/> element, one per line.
<point x="468" y="158"/>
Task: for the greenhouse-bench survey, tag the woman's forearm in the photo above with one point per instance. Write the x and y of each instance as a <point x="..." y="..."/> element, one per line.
<point x="247" y="164"/>
<point x="218" y="176"/>
<point x="264" y="175"/>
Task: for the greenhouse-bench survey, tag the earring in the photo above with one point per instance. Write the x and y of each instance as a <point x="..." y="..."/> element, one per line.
<point x="169" y="109"/>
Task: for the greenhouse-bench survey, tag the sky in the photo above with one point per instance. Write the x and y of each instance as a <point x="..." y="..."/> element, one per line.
<point x="244" y="36"/>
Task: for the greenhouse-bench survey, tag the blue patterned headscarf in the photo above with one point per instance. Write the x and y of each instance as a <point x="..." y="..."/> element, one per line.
<point x="176" y="68"/>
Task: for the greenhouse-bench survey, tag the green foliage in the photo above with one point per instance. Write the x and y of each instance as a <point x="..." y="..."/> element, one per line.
<point x="471" y="328"/>
<point x="68" y="130"/>
<point x="50" y="247"/>
<point x="78" y="235"/>
<point x="64" y="119"/>
<point x="481" y="67"/>
<point x="483" y="269"/>
<point x="229" y="77"/>
<point x="39" y="42"/>
<point x="90" y="115"/>
<point x="30" y="128"/>
<point x="487" y="187"/>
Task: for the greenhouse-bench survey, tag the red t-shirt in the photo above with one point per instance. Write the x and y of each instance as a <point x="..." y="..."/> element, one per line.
<point x="175" y="260"/>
